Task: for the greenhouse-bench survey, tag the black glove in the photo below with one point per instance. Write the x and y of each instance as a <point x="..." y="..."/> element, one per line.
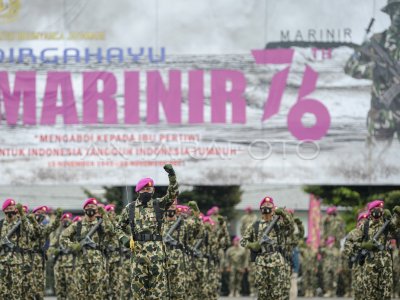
<point x="169" y="169"/>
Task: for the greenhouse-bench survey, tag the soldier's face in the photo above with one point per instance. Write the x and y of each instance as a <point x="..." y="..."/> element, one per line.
<point x="395" y="16"/>
<point x="10" y="212"/>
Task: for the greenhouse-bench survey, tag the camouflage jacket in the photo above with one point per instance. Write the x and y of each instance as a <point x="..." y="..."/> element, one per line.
<point x="236" y="258"/>
<point x="330" y="259"/>
<point x="278" y="235"/>
<point x="362" y="65"/>
<point x="146" y="223"/>
<point x="334" y="226"/>
<point x="175" y="254"/>
<point x="20" y="239"/>
<point x="194" y="230"/>
<point x="373" y="227"/>
<point x="64" y="257"/>
<point x="211" y="243"/>
<point x="350" y="249"/>
<point x="88" y="256"/>
<point x="42" y="233"/>
<point x="246" y="221"/>
<point x="112" y="246"/>
<point x="222" y="231"/>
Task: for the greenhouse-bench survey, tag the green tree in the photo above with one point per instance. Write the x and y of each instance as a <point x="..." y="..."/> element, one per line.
<point x="354" y="198"/>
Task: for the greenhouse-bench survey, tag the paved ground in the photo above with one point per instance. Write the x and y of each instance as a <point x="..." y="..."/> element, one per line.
<point x="248" y="298"/>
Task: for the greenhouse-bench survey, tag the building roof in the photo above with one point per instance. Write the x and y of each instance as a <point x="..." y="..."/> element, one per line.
<point x="284" y="195"/>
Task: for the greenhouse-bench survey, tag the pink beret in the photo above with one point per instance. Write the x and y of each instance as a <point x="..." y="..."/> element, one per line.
<point x="26" y="208"/>
<point x="362" y="215"/>
<point x="290" y="211"/>
<point x="66" y="216"/>
<point x="43" y="207"/>
<point x="110" y="207"/>
<point x="236" y="238"/>
<point x="144" y="182"/>
<point x="213" y="210"/>
<point x="248" y="209"/>
<point x="331" y="210"/>
<point x="375" y="203"/>
<point x="183" y="208"/>
<point x="7" y="203"/>
<point x="90" y="201"/>
<point x="267" y="199"/>
<point x="77" y="219"/>
<point x="330" y="240"/>
<point x="207" y="219"/>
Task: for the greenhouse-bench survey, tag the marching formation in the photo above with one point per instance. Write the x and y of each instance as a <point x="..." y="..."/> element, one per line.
<point x="158" y="249"/>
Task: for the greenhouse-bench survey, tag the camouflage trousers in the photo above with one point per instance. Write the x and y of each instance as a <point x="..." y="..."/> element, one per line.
<point x="114" y="280"/>
<point x="148" y="279"/>
<point x="64" y="278"/>
<point x="270" y="276"/>
<point x="309" y="280"/>
<point x="252" y="277"/>
<point x="287" y="280"/>
<point x="330" y="279"/>
<point x="37" y="277"/>
<point x="212" y="281"/>
<point x="177" y="281"/>
<point x="126" y="278"/>
<point x="378" y="277"/>
<point x="235" y="280"/>
<point x="89" y="281"/>
<point x="383" y="123"/>
<point x="357" y="282"/>
<point x="195" y="271"/>
<point x="11" y="278"/>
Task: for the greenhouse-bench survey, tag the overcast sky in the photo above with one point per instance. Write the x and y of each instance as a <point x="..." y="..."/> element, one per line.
<point x="192" y="27"/>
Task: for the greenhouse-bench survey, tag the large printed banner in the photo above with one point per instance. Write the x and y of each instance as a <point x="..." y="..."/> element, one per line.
<point x="102" y="92"/>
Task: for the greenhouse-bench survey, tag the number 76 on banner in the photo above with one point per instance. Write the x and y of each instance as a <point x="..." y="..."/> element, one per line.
<point x="303" y="105"/>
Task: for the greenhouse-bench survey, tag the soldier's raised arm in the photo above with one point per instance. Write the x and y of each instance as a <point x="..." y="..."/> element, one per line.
<point x="360" y="65"/>
<point x="248" y="237"/>
<point x="26" y="226"/>
<point x="172" y="191"/>
<point x="47" y="230"/>
<point x="68" y="236"/>
<point x="122" y="229"/>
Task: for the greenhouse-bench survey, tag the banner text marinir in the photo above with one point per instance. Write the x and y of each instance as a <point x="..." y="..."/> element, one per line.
<point x="100" y="90"/>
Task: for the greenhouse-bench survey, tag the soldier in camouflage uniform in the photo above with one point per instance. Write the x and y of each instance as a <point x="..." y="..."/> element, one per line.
<point x="37" y="280"/>
<point x="236" y="262"/>
<point x="12" y="260"/>
<point x="90" y="273"/>
<point x="270" y="263"/>
<point x="211" y="260"/>
<point x="63" y="261"/>
<point x="195" y="266"/>
<point x="245" y="221"/>
<point x="350" y="252"/>
<point x="330" y="266"/>
<point x="377" y="268"/>
<point x="384" y="114"/>
<point x="144" y="217"/>
<point x="113" y="259"/>
<point x="333" y="225"/>
<point x="176" y="258"/>
<point x="309" y="269"/>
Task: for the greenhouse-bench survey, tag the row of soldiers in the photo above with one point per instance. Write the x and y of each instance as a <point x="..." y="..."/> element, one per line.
<point x="155" y="249"/>
<point x="363" y="264"/>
